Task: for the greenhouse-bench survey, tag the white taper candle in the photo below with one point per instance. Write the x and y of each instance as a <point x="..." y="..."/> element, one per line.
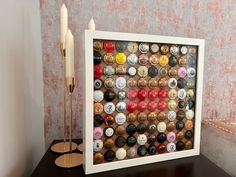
<point x="69" y="61"/>
<point x="91" y="25"/>
<point x="64" y="24"/>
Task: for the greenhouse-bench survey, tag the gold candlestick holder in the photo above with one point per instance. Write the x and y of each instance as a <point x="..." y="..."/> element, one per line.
<point x="63" y="147"/>
<point x="80" y="147"/>
<point x="70" y="160"/>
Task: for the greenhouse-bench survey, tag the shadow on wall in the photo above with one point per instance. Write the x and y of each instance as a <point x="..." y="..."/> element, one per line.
<point x="17" y="169"/>
<point x="33" y="85"/>
<point x="21" y="104"/>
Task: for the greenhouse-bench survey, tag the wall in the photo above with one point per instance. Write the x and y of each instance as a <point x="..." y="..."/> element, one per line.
<point x="213" y="20"/>
<point x="33" y="84"/>
<point x="21" y="96"/>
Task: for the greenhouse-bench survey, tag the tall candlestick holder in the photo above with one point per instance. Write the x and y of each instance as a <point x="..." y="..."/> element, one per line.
<point x="70" y="159"/>
<point x="63" y="147"/>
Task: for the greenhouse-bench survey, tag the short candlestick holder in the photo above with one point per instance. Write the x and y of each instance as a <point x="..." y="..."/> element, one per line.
<point x="70" y="160"/>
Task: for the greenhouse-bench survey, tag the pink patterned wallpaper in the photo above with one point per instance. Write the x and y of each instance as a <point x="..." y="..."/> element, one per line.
<point x="212" y="20"/>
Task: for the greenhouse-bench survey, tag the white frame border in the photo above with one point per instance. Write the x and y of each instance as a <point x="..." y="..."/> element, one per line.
<point x="89" y="167"/>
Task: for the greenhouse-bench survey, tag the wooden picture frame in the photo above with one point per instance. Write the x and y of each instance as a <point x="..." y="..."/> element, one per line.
<point x="88" y="89"/>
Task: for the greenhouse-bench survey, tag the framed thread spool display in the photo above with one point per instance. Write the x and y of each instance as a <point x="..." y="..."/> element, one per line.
<point x="142" y="99"/>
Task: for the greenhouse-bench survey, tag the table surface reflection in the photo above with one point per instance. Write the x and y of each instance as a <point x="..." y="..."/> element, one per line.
<point x="197" y="166"/>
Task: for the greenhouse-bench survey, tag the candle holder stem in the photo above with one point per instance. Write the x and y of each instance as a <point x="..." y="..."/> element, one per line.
<point x="64" y="92"/>
<point x="71" y="116"/>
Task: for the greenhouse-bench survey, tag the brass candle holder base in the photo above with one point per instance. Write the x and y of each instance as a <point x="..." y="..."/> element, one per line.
<point x="80" y="147"/>
<point x="69" y="160"/>
<point x="63" y="147"/>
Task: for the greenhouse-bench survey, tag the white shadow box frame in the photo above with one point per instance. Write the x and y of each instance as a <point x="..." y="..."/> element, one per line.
<point x="88" y="89"/>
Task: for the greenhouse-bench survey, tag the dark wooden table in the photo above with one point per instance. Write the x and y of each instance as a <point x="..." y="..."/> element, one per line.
<point x="197" y="166"/>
